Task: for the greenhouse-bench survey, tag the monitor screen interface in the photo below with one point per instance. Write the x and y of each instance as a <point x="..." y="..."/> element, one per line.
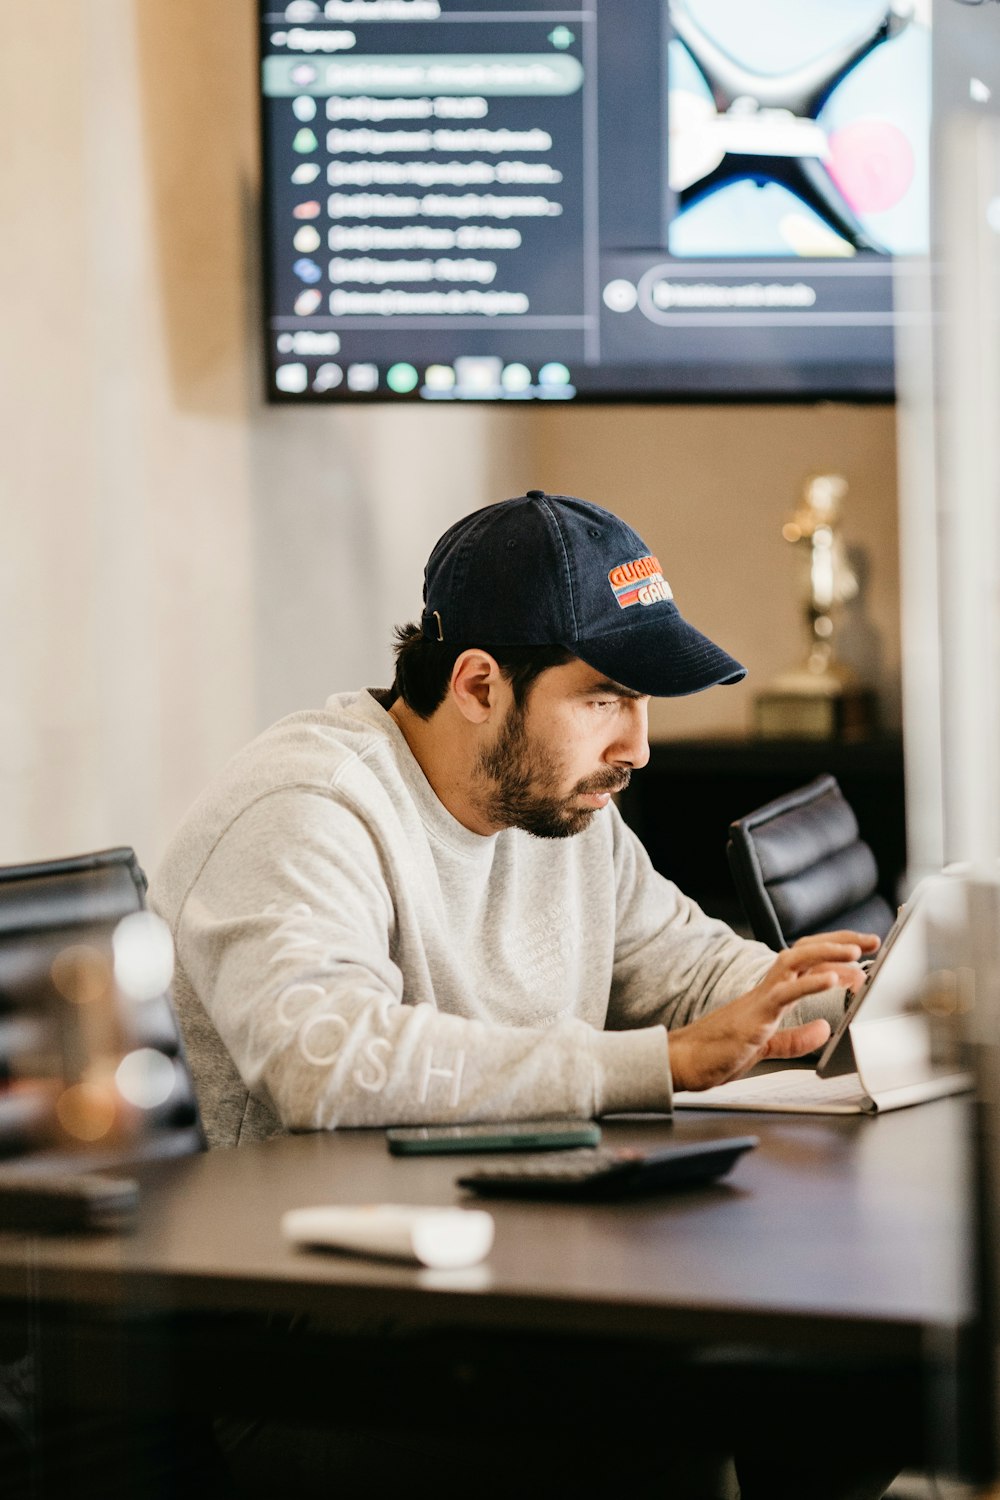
<point x="618" y="199"/>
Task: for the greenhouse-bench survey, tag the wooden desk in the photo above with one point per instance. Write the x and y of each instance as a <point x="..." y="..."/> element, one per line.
<point x="838" y="1245"/>
<point x="839" y="1234"/>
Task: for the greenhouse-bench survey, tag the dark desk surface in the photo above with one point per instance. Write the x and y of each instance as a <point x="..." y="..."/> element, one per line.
<point x="839" y="1235"/>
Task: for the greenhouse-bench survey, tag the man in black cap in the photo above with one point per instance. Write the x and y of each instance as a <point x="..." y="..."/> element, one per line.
<point x="421" y="905"/>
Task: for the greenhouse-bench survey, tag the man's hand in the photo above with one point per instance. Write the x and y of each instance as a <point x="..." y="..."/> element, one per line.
<point x="727" y="1042"/>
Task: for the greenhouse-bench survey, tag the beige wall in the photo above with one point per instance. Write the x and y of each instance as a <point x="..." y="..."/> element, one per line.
<point x="126" y="575"/>
<point x="180" y="563"/>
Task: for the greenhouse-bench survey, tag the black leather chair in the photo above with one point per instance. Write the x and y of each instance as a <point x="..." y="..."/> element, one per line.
<point x="800" y="866"/>
<point x="49" y="1443"/>
<point x="46" y="908"/>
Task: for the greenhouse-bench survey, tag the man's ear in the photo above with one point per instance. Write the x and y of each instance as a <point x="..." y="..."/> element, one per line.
<point x="475" y="684"/>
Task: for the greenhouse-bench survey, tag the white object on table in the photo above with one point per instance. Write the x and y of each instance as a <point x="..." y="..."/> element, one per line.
<point x="443" y="1238"/>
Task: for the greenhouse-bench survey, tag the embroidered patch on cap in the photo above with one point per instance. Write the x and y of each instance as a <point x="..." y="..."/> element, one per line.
<point x="639" y="582"/>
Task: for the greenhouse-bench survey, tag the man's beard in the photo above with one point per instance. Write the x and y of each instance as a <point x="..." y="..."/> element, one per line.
<point x="521" y="785"/>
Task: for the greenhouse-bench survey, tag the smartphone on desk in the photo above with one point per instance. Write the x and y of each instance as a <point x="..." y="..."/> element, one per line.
<point x="512" y="1135"/>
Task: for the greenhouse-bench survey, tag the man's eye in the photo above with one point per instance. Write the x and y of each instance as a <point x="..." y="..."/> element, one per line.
<point x="603" y="702"/>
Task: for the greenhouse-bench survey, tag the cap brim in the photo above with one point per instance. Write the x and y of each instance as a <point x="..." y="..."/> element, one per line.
<point x="661" y="655"/>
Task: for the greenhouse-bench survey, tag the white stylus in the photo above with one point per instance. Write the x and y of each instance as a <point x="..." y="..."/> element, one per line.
<point x="444" y="1238"/>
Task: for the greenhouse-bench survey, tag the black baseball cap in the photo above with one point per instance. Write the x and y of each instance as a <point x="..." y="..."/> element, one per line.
<point x="551" y="570"/>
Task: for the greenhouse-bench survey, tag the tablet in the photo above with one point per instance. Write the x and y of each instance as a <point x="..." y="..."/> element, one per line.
<point x="898" y="972"/>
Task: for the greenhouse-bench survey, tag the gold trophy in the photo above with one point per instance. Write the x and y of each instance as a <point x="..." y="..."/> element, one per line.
<point x="822" y="699"/>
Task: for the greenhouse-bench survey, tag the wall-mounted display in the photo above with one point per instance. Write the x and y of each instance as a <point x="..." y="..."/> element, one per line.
<point x="612" y="200"/>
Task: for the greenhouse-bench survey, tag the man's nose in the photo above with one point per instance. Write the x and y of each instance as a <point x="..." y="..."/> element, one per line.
<point x="632" y="746"/>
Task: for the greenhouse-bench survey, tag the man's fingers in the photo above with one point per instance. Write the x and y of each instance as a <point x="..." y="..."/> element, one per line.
<point x="798" y="1040"/>
<point x="822" y="950"/>
<point x="852" y="976"/>
<point x="866" y="941"/>
<point x="781" y="993"/>
<point x="776" y="995"/>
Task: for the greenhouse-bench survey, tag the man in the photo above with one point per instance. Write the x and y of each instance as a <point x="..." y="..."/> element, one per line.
<point x="422" y="906"/>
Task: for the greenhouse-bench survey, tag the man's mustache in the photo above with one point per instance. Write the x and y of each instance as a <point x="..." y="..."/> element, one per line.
<point x="603" y="781"/>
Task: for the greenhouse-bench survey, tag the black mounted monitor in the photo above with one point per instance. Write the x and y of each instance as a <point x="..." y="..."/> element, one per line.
<point x="613" y="200"/>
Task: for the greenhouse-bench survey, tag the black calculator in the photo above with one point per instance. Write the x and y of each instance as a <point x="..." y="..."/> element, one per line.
<point x="610" y="1171"/>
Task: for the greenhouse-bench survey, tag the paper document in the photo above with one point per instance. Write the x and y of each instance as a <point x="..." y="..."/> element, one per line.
<point x="793" y="1090"/>
<point x="798" y="1092"/>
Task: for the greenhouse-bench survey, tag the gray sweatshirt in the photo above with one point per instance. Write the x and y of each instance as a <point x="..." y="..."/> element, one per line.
<point x="349" y="954"/>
